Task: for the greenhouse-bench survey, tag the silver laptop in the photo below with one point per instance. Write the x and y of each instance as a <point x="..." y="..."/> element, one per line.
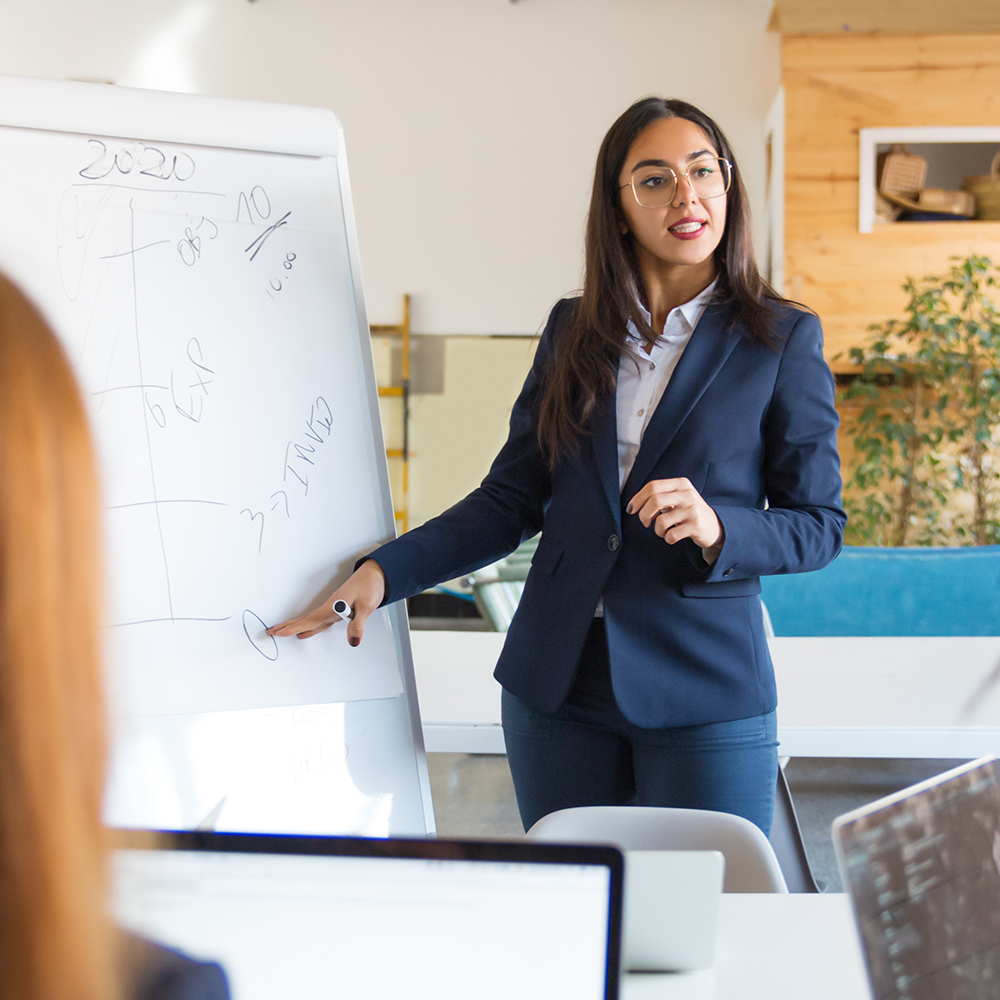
<point x="922" y="870"/>
<point x="311" y="917"/>
<point x="671" y="910"/>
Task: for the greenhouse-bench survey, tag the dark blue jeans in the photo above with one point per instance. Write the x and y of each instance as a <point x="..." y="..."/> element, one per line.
<point x="589" y="754"/>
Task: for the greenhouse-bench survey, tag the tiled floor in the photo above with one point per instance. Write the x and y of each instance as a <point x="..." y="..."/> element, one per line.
<point x="474" y="797"/>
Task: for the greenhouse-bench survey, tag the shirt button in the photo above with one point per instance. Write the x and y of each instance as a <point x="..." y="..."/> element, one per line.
<point x="641" y="412"/>
<point x="613" y="543"/>
<point x="652" y="365"/>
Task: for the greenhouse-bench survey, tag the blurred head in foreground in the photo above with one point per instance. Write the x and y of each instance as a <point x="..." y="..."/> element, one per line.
<point x="55" y="938"/>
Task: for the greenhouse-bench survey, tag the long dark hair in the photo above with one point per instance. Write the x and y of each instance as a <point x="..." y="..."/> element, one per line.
<point x="584" y="361"/>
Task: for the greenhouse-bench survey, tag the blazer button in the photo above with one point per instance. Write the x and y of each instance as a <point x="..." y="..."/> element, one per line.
<point x="728" y="572"/>
<point x="613" y="543"/>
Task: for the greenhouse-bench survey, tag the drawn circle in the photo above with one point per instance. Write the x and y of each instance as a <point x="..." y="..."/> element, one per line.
<point x="267" y="644"/>
<point x="188" y="252"/>
<point x="181" y="168"/>
<point x="264" y="199"/>
<point x="123" y="152"/>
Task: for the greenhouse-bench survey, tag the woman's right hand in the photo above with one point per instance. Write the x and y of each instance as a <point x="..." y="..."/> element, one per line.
<point x="363" y="592"/>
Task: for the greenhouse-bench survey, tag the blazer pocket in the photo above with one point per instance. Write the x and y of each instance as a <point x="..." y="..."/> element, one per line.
<point x="548" y="555"/>
<point x="701" y="483"/>
<point x="724" y="588"/>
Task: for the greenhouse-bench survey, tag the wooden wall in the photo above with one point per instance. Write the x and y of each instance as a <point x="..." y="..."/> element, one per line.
<point x="833" y="88"/>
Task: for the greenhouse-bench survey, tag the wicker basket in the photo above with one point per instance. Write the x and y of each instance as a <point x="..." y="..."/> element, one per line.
<point x="986" y="190"/>
<point x="960" y="203"/>
<point x="900" y="172"/>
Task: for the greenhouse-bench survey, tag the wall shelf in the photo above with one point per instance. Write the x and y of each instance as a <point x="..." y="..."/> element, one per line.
<point x="872" y="138"/>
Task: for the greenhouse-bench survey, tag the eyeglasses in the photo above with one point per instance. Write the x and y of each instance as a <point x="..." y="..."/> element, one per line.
<point x="655" y="186"/>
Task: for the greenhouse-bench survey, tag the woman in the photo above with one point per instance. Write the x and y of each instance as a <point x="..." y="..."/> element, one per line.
<point x="56" y="942"/>
<point x="675" y="440"/>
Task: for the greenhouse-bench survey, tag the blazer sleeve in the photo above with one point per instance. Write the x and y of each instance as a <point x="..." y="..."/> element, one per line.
<point x="802" y="527"/>
<point x="155" y="972"/>
<point x="497" y="516"/>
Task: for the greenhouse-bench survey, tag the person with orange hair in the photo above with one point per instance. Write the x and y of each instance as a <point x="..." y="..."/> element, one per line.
<point x="57" y="941"/>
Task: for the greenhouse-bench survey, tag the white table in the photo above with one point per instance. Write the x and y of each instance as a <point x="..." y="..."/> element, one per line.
<point x="838" y="697"/>
<point x="774" y="947"/>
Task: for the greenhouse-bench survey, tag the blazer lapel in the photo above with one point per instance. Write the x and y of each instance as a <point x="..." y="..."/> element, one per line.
<point x="710" y="345"/>
<point x="605" y="442"/>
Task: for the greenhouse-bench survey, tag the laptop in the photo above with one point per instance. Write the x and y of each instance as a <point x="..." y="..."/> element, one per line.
<point x="921" y="867"/>
<point x="671" y="910"/>
<point x="311" y="917"/>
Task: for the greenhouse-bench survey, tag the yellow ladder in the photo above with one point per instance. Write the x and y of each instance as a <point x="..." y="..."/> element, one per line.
<point x="402" y="330"/>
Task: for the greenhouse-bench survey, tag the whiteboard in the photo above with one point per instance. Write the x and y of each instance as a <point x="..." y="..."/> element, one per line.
<point x="198" y="258"/>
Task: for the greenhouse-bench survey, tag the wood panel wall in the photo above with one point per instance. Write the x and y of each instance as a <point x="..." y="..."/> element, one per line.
<point x="833" y="88"/>
<point x="884" y="17"/>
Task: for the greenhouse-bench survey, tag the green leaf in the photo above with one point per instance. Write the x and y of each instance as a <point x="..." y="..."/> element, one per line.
<point x="928" y="432"/>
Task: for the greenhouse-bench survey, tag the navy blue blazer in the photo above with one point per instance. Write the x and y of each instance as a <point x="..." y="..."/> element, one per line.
<point x="155" y="972"/>
<point x="754" y="430"/>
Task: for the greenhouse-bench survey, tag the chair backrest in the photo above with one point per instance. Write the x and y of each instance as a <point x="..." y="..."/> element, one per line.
<point x="751" y="865"/>
<point x="497" y="601"/>
<point x="497" y="588"/>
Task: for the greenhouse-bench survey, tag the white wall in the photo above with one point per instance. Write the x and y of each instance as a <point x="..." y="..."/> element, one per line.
<point x="471" y="125"/>
<point x="471" y="128"/>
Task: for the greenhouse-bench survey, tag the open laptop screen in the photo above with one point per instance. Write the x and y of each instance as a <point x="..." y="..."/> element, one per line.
<point x="311" y="917"/>
<point x="922" y="869"/>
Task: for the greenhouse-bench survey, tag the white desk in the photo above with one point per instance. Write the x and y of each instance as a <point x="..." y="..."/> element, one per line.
<point x="837" y="697"/>
<point x="775" y="947"/>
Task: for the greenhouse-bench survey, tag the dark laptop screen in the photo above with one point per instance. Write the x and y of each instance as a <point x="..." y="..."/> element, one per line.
<point x="309" y="917"/>
<point x="922" y="869"/>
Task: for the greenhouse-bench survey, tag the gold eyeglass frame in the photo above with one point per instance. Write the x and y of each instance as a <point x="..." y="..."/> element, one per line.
<point x="685" y="175"/>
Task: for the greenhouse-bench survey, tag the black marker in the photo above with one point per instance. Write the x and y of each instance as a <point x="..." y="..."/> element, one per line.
<point x="343" y="609"/>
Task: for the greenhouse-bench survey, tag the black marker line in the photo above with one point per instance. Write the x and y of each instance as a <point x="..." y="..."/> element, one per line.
<point x="262" y="239"/>
<point x="253" y="517"/>
<point x="285" y="495"/>
<point x="149" y="503"/>
<point x="118" y="388"/>
<point x="145" y="410"/>
<point x="148" y="190"/>
<point x="246" y="632"/>
<point x="114" y="345"/>
<point x="111" y="256"/>
<point x="93" y="305"/>
<point x="155" y="621"/>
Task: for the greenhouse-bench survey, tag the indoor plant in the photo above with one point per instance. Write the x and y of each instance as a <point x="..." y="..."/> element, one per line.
<point x="923" y="417"/>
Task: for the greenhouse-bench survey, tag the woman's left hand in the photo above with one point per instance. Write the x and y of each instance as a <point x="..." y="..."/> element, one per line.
<point x="676" y="510"/>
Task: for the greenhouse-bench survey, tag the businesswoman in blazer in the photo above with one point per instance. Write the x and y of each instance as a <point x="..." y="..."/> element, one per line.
<point x="674" y="441"/>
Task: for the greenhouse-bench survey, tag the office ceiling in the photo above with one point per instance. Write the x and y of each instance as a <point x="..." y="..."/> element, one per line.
<point x="885" y="17"/>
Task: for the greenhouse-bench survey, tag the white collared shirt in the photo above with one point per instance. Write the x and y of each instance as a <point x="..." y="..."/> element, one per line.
<point x="643" y="378"/>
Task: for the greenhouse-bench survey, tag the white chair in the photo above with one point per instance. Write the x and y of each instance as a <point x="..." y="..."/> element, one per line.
<point x="751" y="864"/>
